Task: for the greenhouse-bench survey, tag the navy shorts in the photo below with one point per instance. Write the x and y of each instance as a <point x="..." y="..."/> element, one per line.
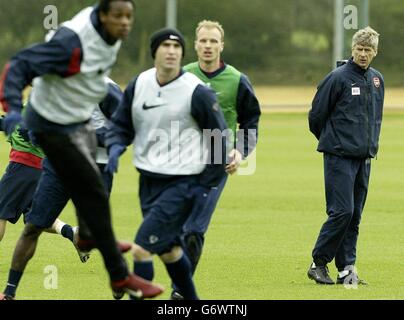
<point x="17" y="188"/>
<point x="166" y="204"/>
<point x="50" y="199"/>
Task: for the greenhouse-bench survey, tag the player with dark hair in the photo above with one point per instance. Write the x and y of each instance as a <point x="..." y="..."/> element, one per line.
<point x="165" y="112"/>
<point x="69" y="74"/>
<point x="51" y="196"/>
<point x="19" y="182"/>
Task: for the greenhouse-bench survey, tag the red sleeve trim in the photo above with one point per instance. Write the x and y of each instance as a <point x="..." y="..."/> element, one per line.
<point x="2" y="81"/>
<point x="74" y="64"/>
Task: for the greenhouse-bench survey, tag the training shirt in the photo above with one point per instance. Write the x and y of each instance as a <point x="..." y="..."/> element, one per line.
<point x="237" y="101"/>
<point x="165" y="123"/>
<point x="23" y="151"/>
<point x="69" y="71"/>
<point x="100" y="119"/>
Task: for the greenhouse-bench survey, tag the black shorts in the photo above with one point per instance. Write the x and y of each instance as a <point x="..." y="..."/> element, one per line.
<point x="17" y="188"/>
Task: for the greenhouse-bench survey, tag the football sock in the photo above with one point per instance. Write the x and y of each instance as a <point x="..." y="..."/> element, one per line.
<point x="12" y="283"/>
<point x="144" y="269"/>
<point x="58" y="225"/>
<point x="67" y="232"/>
<point x="181" y="274"/>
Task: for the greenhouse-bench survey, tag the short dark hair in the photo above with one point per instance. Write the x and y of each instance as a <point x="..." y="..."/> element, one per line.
<point x="104" y="5"/>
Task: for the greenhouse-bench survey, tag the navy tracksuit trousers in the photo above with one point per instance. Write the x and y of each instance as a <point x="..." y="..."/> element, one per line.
<point x="346" y="187"/>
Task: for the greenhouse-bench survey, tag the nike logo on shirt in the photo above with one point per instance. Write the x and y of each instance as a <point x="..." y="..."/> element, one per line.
<point x="146" y="107"/>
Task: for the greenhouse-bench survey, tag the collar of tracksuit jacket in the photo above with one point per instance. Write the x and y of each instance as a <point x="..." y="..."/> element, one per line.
<point x="352" y="65"/>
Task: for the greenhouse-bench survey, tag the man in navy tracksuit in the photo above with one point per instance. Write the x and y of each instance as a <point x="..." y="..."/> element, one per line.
<point x="346" y="117"/>
<point x="69" y="76"/>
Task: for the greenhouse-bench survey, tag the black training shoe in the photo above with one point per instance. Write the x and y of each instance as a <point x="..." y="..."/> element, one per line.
<point x="319" y="274"/>
<point x="351" y="278"/>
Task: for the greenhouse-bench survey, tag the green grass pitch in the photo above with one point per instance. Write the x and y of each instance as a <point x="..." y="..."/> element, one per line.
<point x="262" y="233"/>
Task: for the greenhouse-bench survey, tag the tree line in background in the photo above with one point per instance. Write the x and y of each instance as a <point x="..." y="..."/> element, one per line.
<point x="275" y="42"/>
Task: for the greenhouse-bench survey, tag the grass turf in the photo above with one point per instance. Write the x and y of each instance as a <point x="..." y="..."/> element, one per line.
<point x="262" y="233"/>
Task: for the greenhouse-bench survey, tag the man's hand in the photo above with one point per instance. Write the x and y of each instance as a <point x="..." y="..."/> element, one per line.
<point x="114" y="153"/>
<point x="235" y="159"/>
<point x="10" y="121"/>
